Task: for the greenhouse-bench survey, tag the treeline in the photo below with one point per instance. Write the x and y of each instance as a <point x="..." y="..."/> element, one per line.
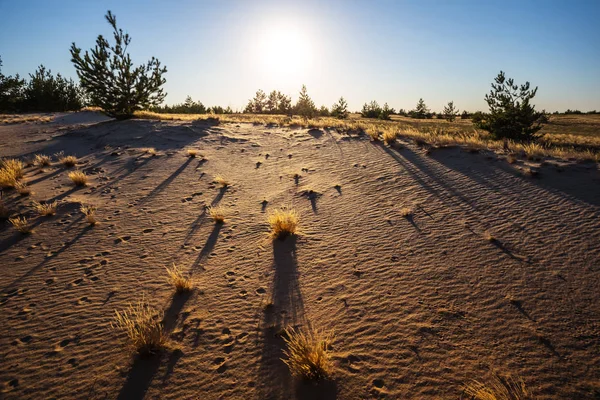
<point x="279" y="103"/>
<point x="189" y="106"/>
<point x="42" y="92"/>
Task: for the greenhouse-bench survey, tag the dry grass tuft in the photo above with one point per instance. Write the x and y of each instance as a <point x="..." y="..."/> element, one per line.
<point x="192" y="153"/>
<point x="41" y="160"/>
<point x="79" y="178"/>
<point x="68" y="161"/>
<point x="307" y="355"/>
<point x="11" y="170"/>
<point x="221" y="180"/>
<point x="150" y="151"/>
<point x="143" y="327"/>
<point x="284" y="222"/>
<point x="21" y="224"/>
<point x="4" y="211"/>
<point x="390" y="136"/>
<point x="45" y="209"/>
<point x="373" y="133"/>
<point x="217" y="213"/>
<point x="511" y="158"/>
<point x="489" y="237"/>
<point x="498" y="388"/>
<point x="90" y="213"/>
<point x="23" y="189"/>
<point x="406" y="212"/>
<point x="177" y="278"/>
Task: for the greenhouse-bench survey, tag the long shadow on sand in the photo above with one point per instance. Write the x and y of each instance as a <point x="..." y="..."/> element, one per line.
<point x="285" y="310"/>
<point x="202" y="216"/>
<point x="46" y="260"/>
<point x="208" y="247"/>
<point x="145" y="368"/>
<point x="570" y="184"/>
<point x="163" y="185"/>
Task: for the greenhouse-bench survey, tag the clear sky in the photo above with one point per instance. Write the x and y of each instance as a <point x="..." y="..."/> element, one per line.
<point x="221" y="52"/>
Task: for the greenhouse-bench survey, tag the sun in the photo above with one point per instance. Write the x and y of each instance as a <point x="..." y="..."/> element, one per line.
<point x="285" y="53"/>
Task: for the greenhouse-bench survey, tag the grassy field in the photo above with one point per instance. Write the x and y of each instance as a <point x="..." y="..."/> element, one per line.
<point x="574" y="137"/>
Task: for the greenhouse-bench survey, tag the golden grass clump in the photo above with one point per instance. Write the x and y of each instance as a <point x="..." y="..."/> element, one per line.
<point x="489" y="237"/>
<point x="90" y="213"/>
<point x="373" y="133"/>
<point x="68" y="161"/>
<point x="23" y="189"/>
<point x="221" y="180"/>
<point x="79" y="178"/>
<point x="406" y="212"/>
<point x="21" y="224"/>
<point x="284" y="222"/>
<point x="150" y="151"/>
<point x="11" y="170"/>
<point x="192" y="153"/>
<point x="216" y="213"/>
<point x="143" y="327"/>
<point x="45" y="209"/>
<point x="177" y="278"/>
<point x="389" y="136"/>
<point x="41" y="160"/>
<point x="498" y="388"/>
<point x="307" y="354"/>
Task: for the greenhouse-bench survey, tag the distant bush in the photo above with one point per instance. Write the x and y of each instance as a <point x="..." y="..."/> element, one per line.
<point x="465" y="115"/>
<point x="275" y="103"/>
<point x="511" y="114"/>
<point x="573" y="112"/>
<point x="305" y="106"/>
<point x="11" y="92"/>
<point x="450" y="112"/>
<point x="340" y="109"/>
<point x="111" y="81"/>
<point x="324" y="111"/>
<point x="374" y="110"/>
<point x="421" y="111"/>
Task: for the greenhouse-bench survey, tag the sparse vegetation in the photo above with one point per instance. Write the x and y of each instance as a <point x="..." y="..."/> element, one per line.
<point x="67" y="161"/>
<point x="177" y="278"/>
<point x="389" y="136"/>
<point x="11" y="170"/>
<point x="45" y="209"/>
<point x="90" y="213"/>
<point x="498" y="388"/>
<point x="217" y="213"/>
<point x="192" y="153"/>
<point x="284" y="222"/>
<point x="450" y="112"/>
<point x="307" y="354"/>
<point x="79" y="178"/>
<point x="21" y="224"/>
<point x="151" y="151"/>
<point x="489" y="237"/>
<point x="221" y="180"/>
<point x="41" y="160"/>
<point x="143" y="327"/>
<point x="22" y="188"/>
<point x="406" y="212"/>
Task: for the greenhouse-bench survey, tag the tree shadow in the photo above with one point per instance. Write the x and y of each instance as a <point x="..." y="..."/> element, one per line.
<point x="7" y="243"/>
<point x="44" y="177"/>
<point x="202" y="216"/>
<point x="219" y="195"/>
<point x="163" y="185"/>
<point x="46" y="260"/>
<point x="410" y="218"/>
<point x="208" y="245"/>
<point x="286" y="309"/>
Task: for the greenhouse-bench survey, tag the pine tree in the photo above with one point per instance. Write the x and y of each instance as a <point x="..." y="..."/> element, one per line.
<point x="305" y="106"/>
<point x="284" y="104"/>
<point x="111" y="81"/>
<point x="450" y="112"/>
<point x="421" y="111"/>
<point x="272" y="104"/>
<point x="11" y="92"/>
<point x="511" y="114"/>
<point x="340" y="109"/>
<point x="258" y="104"/>
<point x="385" y="112"/>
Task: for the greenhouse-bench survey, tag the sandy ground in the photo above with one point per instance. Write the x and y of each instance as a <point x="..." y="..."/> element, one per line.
<point x="419" y="305"/>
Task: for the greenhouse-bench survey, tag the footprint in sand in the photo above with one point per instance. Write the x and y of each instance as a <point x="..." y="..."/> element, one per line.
<point x="50" y="281"/>
<point x="221" y="365"/>
<point x="10" y="385"/>
<point x="60" y="346"/>
<point x="148" y="230"/>
<point x="261" y="290"/>
<point x="122" y="239"/>
<point x="83" y="301"/>
<point x="22" y="341"/>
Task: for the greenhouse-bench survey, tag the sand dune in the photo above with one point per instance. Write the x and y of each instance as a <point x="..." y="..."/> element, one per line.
<point x="420" y="304"/>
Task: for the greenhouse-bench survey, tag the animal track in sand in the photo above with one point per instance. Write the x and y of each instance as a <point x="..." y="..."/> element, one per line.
<point x="122" y="239"/>
<point x="22" y="341"/>
<point x="148" y="230"/>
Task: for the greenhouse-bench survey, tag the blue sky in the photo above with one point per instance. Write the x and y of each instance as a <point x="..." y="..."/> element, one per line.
<point x="221" y="52"/>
